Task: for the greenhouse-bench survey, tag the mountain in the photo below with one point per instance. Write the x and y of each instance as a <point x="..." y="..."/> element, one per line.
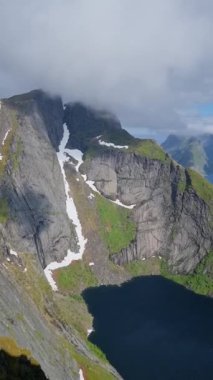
<point x="76" y="188"/>
<point x="193" y="152"/>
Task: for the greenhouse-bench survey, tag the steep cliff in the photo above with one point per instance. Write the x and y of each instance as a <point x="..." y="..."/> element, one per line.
<point x="34" y="231"/>
<point x="174" y="219"/>
<point x="31" y="183"/>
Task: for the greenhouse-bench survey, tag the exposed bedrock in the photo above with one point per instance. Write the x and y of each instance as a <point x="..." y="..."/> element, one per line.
<point x="173" y="224"/>
<point x="32" y="183"/>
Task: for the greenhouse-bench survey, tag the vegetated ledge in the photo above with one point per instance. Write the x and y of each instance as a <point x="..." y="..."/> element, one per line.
<point x="18" y="363"/>
<point x="117" y="229"/>
<point x="202" y="187"/>
<point x="201" y="281"/>
<point x="150" y="149"/>
<point x="147" y="148"/>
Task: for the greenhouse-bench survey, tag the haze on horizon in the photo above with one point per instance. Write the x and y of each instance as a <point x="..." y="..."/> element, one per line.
<point x="149" y="62"/>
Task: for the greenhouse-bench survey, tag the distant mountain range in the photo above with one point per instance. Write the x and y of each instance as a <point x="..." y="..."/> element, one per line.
<point x="194" y="152"/>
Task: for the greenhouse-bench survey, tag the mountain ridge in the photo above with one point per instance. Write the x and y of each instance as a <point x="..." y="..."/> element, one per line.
<point x="192" y="151"/>
<point x="169" y="217"/>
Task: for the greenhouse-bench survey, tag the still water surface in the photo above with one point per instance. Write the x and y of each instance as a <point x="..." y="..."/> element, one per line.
<point x="151" y="328"/>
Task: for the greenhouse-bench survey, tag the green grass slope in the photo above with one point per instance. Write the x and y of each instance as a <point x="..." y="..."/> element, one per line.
<point x="116" y="226"/>
<point x="201" y="281"/>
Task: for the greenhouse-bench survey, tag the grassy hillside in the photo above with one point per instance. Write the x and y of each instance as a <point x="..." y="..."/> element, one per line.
<point x="201" y="281"/>
<point x="75" y="278"/>
<point x="149" y="149"/>
<point x="202" y="187"/>
<point x="116" y="226"/>
<point x="59" y="310"/>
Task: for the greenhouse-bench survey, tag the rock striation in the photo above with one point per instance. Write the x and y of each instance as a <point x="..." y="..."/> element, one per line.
<point x="32" y="183"/>
<point x="172" y="220"/>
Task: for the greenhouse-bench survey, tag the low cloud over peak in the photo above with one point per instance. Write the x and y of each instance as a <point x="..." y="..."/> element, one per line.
<point x="149" y="62"/>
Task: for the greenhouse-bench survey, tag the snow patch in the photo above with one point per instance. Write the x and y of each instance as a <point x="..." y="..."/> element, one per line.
<point x="14" y="253"/>
<point x="77" y="179"/>
<point x="71" y="256"/>
<point x="25" y="270"/>
<point x="144" y="258"/>
<point x="91" y="264"/>
<point x="117" y="202"/>
<point x="3" y="142"/>
<point x="81" y="375"/>
<point x="91" y="196"/>
<point x="5" y="137"/>
<point x="101" y="142"/>
<point x="72" y="214"/>
<point x="90" y="184"/>
<point x="89" y="331"/>
<point x="77" y="155"/>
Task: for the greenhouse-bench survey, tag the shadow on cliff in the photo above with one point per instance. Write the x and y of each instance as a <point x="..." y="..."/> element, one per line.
<point x="19" y="368"/>
<point x="30" y="207"/>
<point x="152" y="328"/>
<point x="32" y="213"/>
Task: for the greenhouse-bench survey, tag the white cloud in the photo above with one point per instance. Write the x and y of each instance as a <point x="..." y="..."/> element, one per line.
<point x="143" y="59"/>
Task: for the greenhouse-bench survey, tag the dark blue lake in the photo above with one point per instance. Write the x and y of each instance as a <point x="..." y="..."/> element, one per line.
<point x="151" y="328"/>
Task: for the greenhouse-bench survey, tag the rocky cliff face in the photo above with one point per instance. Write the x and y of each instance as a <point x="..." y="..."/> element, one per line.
<point x="172" y="220"/>
<point x="31" y="181"/>
<point x="34" y="231"/>
<point x="21" y="321"/>
<point x="170" y="223"/>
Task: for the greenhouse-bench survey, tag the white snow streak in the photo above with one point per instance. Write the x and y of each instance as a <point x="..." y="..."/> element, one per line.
<point x="84" y="177"/>
<point x="81" y="375"/>
<point x="72" y="214"/>
<point x="77" y="155"/>
<point x="89" y="331"/>
<point x="91" y="264"/>
<point x="91" y="196"/>
<point x="101" y="142"/>
<point x="117" y="202"/>
<point x="14" y="253"/>
<point x="90" y="184"/>
<point x="5" y="137"/>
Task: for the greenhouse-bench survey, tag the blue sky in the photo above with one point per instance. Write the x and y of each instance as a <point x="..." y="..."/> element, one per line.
<point x="205" y="110"/>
